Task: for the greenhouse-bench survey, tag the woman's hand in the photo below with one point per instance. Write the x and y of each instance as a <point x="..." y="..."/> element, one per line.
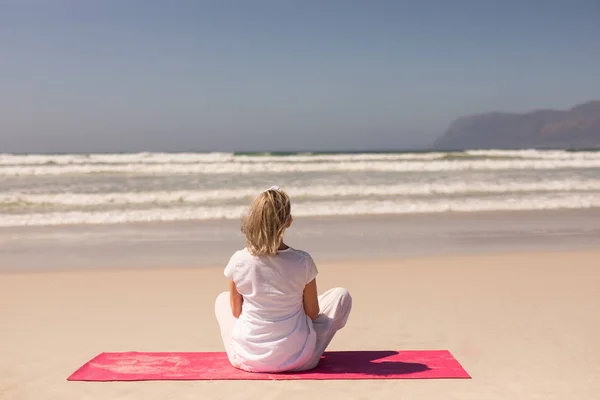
<point x="235" y="299"/>
<point x="310" y="300"/>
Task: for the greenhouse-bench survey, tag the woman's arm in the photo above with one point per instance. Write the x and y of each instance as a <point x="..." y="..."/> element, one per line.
<point x="310" y="300"/>
<point x="235" y="299"/>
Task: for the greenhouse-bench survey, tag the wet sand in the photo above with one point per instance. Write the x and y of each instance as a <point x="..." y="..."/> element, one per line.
<point x="328" y="239"/>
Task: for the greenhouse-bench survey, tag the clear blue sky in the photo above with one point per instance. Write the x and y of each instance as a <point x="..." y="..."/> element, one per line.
<point x="127" y="75"/>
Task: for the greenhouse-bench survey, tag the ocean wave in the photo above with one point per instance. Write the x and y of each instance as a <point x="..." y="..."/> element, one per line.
<point x="126" y="158"/>
<point x="307" y="209"/>
<point x="270" y="167"/>
<point x="313" y="158"/>
<point x="261" y="158"/>
<point x="202" y="158"/>
<point x="297" y="193"/>
<point x="535" y="154"/>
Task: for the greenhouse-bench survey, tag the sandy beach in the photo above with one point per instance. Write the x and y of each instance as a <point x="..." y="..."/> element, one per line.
<point x="524" y="325"/>
<point x="440" y="161"/>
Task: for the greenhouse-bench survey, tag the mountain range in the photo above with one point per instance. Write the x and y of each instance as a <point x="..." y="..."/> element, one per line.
<point x="576" y="128"/>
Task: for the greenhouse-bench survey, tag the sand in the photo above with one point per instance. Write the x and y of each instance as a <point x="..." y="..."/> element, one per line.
<point x="524" y="325"/>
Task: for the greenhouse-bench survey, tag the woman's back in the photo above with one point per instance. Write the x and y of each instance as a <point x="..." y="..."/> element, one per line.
<point x="272" y="319"/>
<point x="273" y="332"/>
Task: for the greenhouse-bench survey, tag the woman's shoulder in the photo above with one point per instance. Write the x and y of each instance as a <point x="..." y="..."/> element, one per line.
<point x="300" y="254"/>
<point x="241" y="254"/>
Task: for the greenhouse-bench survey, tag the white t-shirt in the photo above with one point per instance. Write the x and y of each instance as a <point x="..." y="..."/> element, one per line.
<point x="273" y="333"/>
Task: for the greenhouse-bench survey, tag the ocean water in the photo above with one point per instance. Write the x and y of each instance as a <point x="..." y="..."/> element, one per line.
<point x="37" y="190"/>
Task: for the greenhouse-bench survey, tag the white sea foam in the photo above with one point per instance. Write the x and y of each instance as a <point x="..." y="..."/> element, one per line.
<point x="98" y="188"/>
<point x="253" y="168"/>
<point x="329" y="208"/>
<point x="308" y="158"/>
<point x="305" y="192"/>
<point x="126" y="158"/>
<point x="201" y="158"/>
<point x="196" y="158"/>
<point x="536" y="154"/>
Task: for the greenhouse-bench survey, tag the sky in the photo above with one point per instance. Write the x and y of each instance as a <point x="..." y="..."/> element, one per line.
<point x="224" y="75"/>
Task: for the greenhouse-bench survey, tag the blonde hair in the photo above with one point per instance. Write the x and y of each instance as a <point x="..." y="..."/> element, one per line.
<point x="266" y="221"/>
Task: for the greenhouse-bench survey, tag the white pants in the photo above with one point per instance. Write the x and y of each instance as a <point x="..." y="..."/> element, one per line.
<point x="334" y="304"/>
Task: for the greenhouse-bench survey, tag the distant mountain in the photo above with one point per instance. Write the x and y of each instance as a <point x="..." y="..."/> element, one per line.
<point x="577" y="128"/>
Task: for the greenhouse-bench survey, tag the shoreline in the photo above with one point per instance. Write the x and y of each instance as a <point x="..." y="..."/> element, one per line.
<point x="383" y="216"/>
<point x="328" y="239"/>
<point x="415" y="215"/>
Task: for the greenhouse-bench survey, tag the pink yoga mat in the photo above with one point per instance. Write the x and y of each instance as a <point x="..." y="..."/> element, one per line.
<point x="134" y="366"/>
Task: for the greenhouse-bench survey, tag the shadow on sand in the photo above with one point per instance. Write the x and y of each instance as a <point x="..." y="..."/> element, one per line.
<point x="364" y="363"/>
